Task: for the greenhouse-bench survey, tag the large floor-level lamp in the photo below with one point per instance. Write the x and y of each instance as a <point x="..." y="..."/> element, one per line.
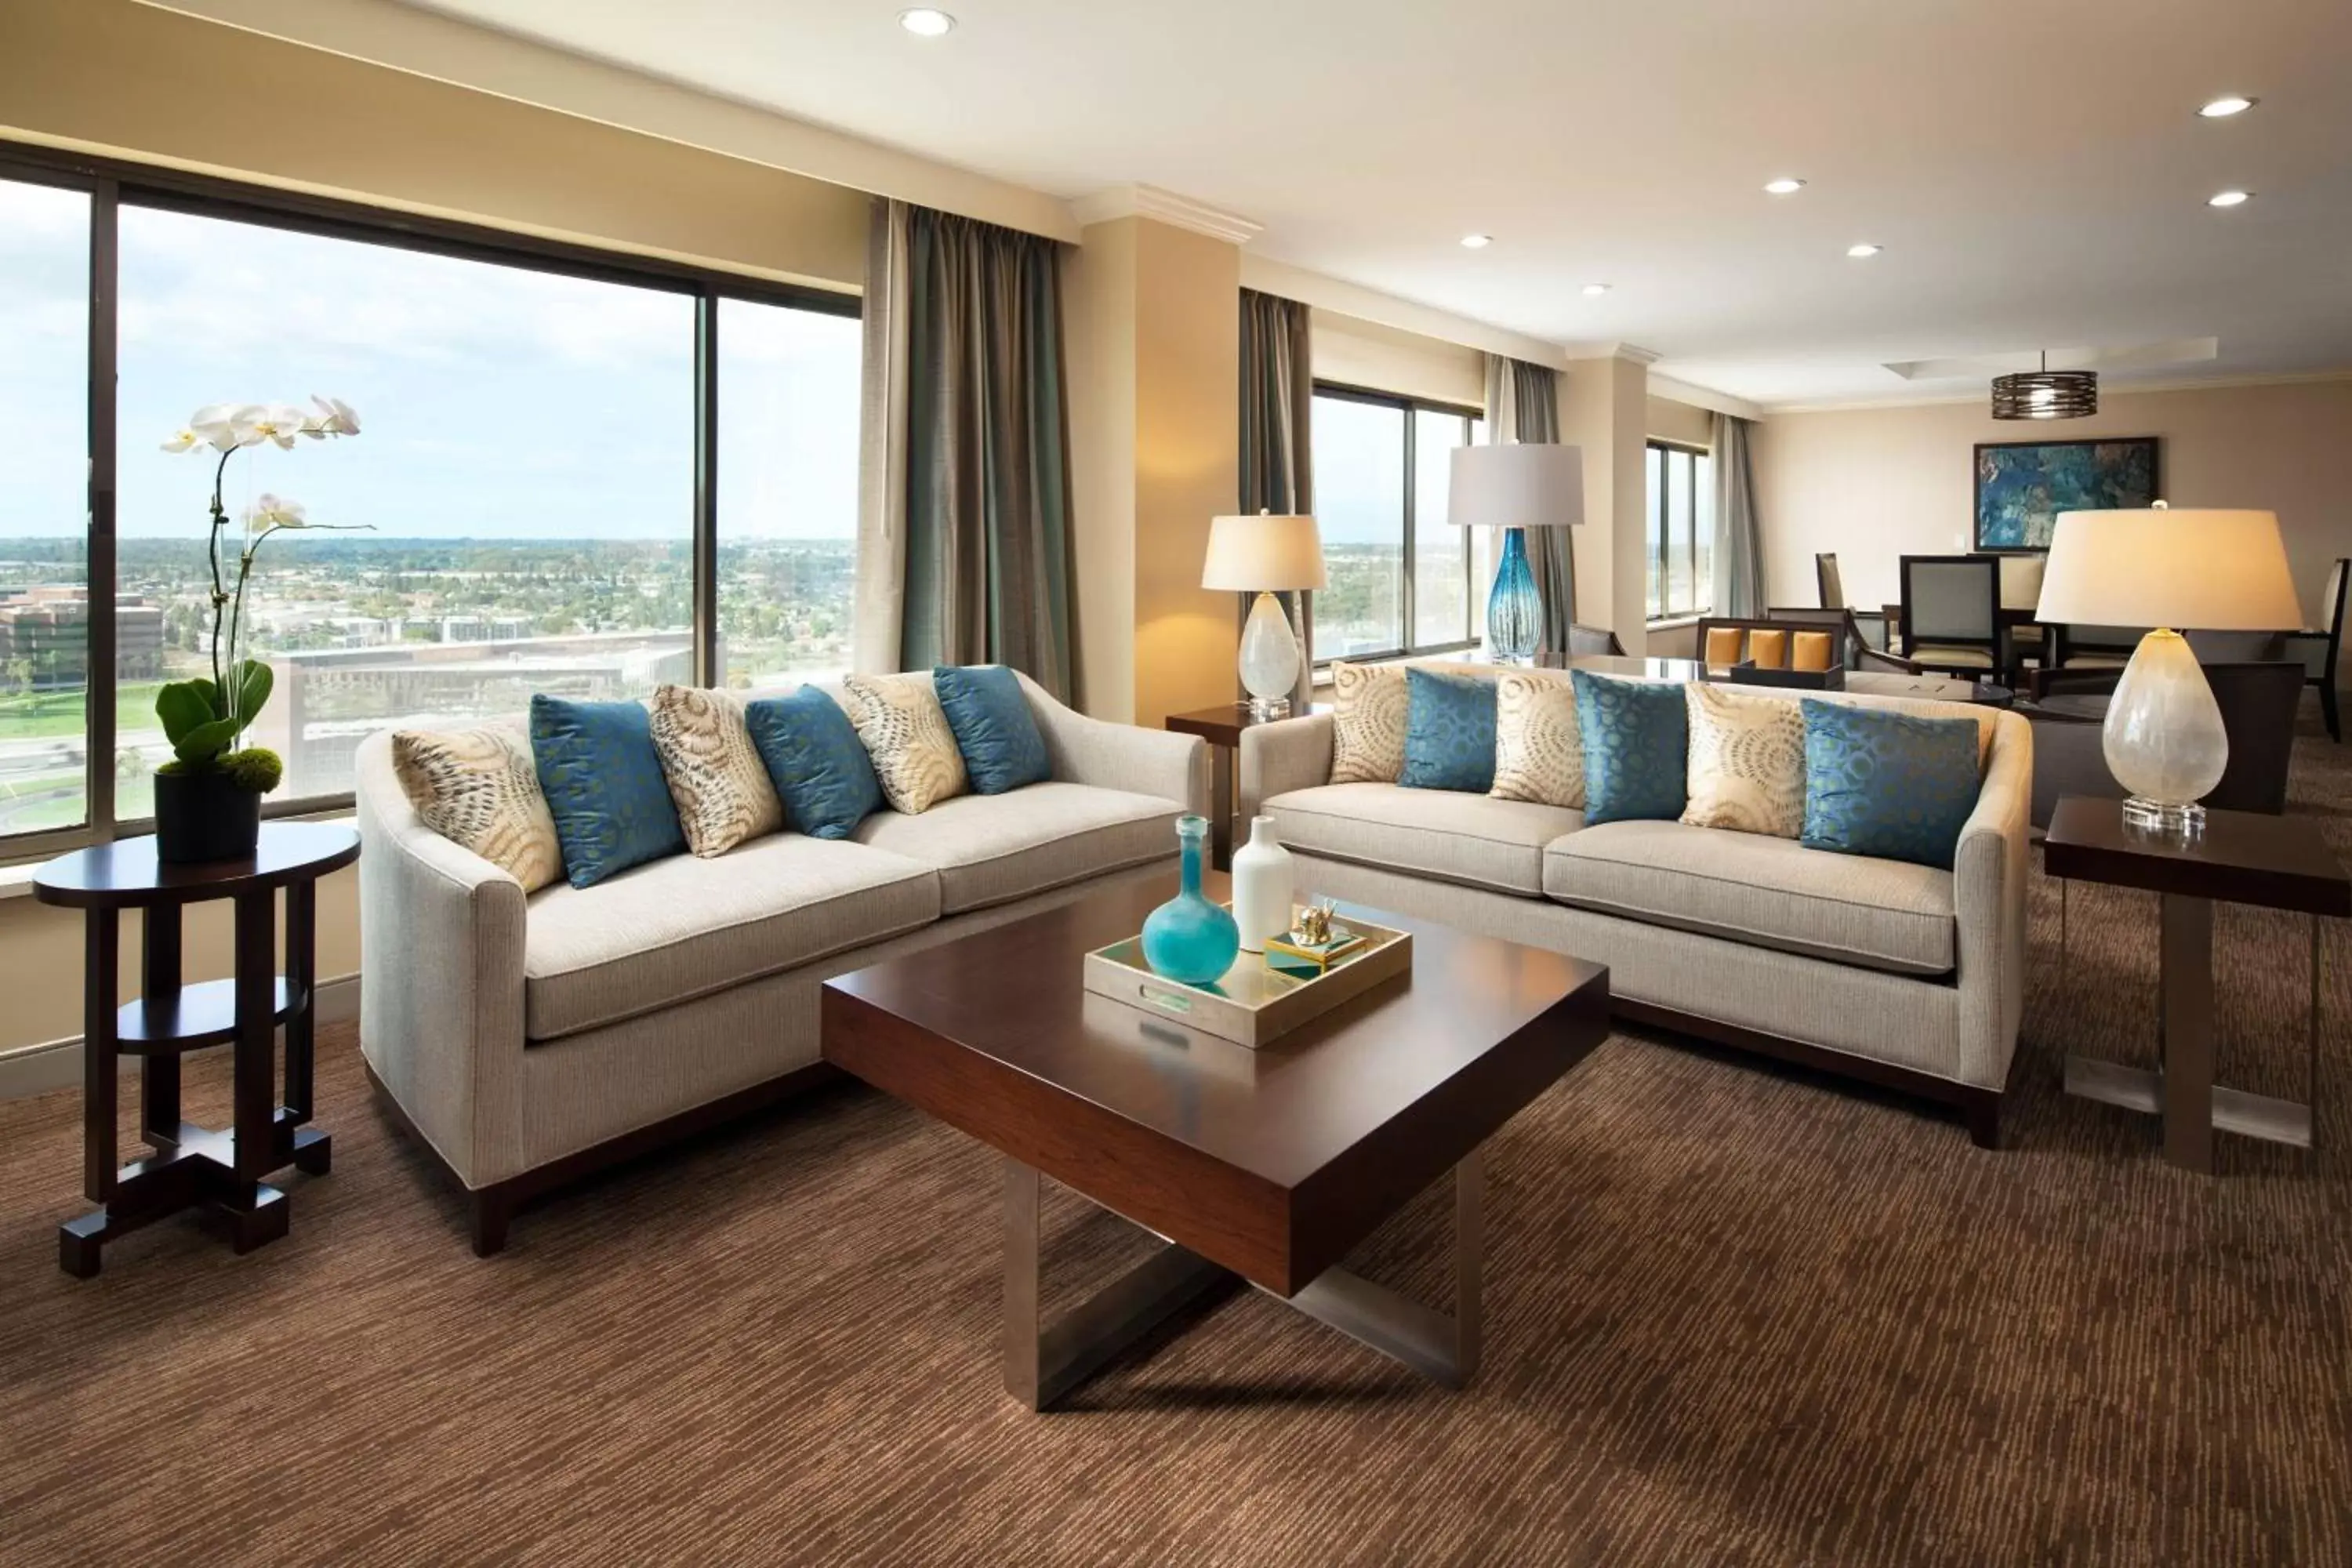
<point x="1515" y="488"/>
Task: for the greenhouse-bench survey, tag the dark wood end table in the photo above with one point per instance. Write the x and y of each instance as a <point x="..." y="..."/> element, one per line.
<point x="1221" y="727"/>
<point x="1262" y="1166"/>
<point x="190" y="1165"/>
<point x="2242" y="857"/>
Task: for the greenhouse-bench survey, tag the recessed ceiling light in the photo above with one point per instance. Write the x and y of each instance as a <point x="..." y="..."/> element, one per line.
<point x="1596" y="287"/>
<point x="1477" y="241"/>
<point x="2228" y="199"/>
<point x="925" y="23"/>
<point x="2224" y="107"/>
<point x="1860" y="252"/>
<point x="1784" y="187"/>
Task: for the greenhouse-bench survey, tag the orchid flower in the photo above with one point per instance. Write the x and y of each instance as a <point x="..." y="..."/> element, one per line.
<point x="278" y="422"/>
<point x="219" y="425"/>
<point x="273" y="512"/>
<point x="183" y="439"/>
<point x="334" y="417"/>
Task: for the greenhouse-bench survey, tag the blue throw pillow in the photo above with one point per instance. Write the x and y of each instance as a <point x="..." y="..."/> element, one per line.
<point x="604" y="787"/>
<point x="821" y="770"/>
<point x="1636" y="736"/>
<point x="1449" y="732"/>
<point x="1891" y="784"/>
<point x="994" y="727"/>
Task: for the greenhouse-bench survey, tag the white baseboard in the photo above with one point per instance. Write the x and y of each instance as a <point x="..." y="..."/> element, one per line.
<point x="55" y="1064"/>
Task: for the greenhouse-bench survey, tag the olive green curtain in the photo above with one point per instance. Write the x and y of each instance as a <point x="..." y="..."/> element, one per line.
<point x="965" y="531"/>
<point x="1739" y="536"/>
<point x="1523" y="405"/>
<point x="1277" y="400"/>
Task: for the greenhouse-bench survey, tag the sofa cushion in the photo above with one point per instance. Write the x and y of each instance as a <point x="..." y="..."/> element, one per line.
<point x="1473" y="840"/>
<point x="722" y="787"/>
<point x="1449" y="732"/>
<point x="906" y="732"/>
<point x="992" y="849"/>
<point x="1636" y="736"/>
<point x="1369" y="709"/>
<point x="604" y="786"/>
<point x="684" y="927"/>
<point x="1762" y="890"/>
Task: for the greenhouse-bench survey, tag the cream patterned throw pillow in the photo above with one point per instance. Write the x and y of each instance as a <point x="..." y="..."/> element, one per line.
<point x="723" y="794"/>
<point x="906" y="732"/>
<point x="477" y="789"/>
<point x="1368" y="723"/>
<point x="1746" y="762"/>
<point x="1538" y="752"/>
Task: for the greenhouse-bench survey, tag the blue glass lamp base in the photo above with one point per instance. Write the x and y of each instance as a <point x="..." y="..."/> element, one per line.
<point x="1514" y="610"/>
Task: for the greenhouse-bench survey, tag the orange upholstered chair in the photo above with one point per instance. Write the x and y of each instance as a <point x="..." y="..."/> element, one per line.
<point x="1723" y="644"/>
<point x="1809" y="650"/>
<point x="1770" y="649"/>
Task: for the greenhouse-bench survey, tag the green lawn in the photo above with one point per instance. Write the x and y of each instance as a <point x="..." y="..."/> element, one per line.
<point x="25" y="718"/>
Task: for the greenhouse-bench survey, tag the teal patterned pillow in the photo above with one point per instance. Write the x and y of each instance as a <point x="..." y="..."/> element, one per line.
<point x="604" y="786"/>
<point x="817" y="763"/>
<point x="1636" y="736"/>
<point x="992" y="726"/>
<point x="1449" y="732"/>
<point x="1890" y="785"/>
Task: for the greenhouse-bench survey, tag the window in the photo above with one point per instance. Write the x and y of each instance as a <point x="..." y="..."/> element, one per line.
<point x="1681" y="531"/>
<point x="44" y="676"/>
<point x="1401" y="577"/>
<point x="577" y="473"/>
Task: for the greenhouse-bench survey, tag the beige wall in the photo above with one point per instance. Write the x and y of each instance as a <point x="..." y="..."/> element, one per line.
<point x="1604" y="410"/>
<point x="1668" y="420"/>
<point x="1875" y="484"/>
<point x="1358" y="353"/>
<point x="128" y="80"/>
<point x="1155" y="357"/>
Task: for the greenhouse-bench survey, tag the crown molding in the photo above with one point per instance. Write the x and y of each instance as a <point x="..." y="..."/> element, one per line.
<point x="2107" y="389"/>
<point x="1706" y="398"/>
<point x="1164" y="206"/>
<point x="1609" y="348"/>
<point x="1321" y="292"/>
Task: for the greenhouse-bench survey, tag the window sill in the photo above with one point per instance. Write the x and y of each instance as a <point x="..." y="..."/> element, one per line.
<point x="1676" y="623"/>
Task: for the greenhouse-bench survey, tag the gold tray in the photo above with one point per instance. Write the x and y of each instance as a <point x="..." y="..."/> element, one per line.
<point x="1252" y="1006"/>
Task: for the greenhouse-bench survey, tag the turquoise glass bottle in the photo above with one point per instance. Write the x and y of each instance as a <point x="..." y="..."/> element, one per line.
<point x="1188" y="939"/>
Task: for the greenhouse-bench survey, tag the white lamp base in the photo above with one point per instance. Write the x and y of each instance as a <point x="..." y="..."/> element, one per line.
<point x="1269" y="658"/>
<point x="2164" y="739"/>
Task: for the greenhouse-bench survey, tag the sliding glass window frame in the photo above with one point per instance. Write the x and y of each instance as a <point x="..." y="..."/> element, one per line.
<point x="1659" y="527"/>
<point x="1413" y="409"/>
<point x="112" y="183"/>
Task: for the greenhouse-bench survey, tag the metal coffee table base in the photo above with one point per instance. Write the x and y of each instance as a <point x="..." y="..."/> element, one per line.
<point x="1042" y="1363"/>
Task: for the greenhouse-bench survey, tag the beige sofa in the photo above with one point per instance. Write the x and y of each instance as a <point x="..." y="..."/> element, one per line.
<point x="1905" y="975"/>
<point x="529" y="1040"/>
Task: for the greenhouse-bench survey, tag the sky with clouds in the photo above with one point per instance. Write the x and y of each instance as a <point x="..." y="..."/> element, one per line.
<point x="497" y="402"/>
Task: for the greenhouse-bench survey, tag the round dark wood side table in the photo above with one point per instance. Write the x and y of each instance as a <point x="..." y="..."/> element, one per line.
<point x="189" y="1165"/>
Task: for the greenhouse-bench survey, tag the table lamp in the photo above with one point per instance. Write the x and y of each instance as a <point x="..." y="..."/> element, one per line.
<point x="1264" y="555"/>
<point x="1515" y="488"/>
<point x="2206" y="571"/>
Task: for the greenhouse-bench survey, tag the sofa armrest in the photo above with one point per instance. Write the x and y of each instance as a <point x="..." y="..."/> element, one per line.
<point x="1121" y="756"/>
<point x="1278" y="758"/>
<point x="441" y="1005"/>
<point x="1989" y="875"/>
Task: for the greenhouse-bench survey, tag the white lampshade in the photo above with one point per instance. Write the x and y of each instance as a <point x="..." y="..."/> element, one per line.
<point x="1263" y="553"/>
<point x="2192" y="570"/>
<point x="1524" y="485"/>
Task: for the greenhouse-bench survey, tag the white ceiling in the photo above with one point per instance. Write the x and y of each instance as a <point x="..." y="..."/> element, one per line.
<point x="2035" y="170"/>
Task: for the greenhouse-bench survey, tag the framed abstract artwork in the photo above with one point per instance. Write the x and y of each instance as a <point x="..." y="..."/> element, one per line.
<point x="2022" y="486"/>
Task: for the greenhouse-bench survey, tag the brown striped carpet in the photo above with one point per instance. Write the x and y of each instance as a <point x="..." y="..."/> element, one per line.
<point x="1734" y="1316"/>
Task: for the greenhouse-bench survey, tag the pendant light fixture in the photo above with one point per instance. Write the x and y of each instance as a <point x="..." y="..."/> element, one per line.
<point x="2046" y="394"/>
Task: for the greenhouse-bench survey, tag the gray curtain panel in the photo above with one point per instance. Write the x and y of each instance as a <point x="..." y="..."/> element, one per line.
<point x="965" y="502"/>
<point x="1738" y="537"/>
<point x="1523" y="405"/>
<point x="1278" y="399"/>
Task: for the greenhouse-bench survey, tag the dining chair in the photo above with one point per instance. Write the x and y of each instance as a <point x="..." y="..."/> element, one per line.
<point x="2021" y="596"/>
<point x="1832" y="586"/>
<point x="2322" y="652"/>
<point x="1951" y="613"/>
<point x="1855" y="648"/>
<point x="1583" y="639"/>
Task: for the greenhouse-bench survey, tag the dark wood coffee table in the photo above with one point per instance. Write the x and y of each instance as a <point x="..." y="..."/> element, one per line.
<point x="1269" y="1164"/>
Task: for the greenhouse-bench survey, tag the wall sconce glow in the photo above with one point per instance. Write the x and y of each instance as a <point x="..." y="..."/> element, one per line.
<point x="925" y="23"/>
<point x="1863" y="252"/>
<point x="1783" y="186"/>
<point x="1596" y="289"/>
<point x="2229" y="104"/>
<point x="1477" y="241"/>
<point x="2229" y="198"/>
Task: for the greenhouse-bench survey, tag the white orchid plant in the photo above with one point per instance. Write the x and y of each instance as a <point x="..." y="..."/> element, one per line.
<point x="204" y="717"/>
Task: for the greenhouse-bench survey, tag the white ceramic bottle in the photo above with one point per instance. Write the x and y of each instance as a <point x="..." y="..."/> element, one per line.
<point x="1262" y="888"/>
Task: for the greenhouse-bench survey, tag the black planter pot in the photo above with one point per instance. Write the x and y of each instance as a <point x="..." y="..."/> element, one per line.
<point x="204" y="816"/>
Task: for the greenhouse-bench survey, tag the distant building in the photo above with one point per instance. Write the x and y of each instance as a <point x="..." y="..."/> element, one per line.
<point x="47" y="630"/>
